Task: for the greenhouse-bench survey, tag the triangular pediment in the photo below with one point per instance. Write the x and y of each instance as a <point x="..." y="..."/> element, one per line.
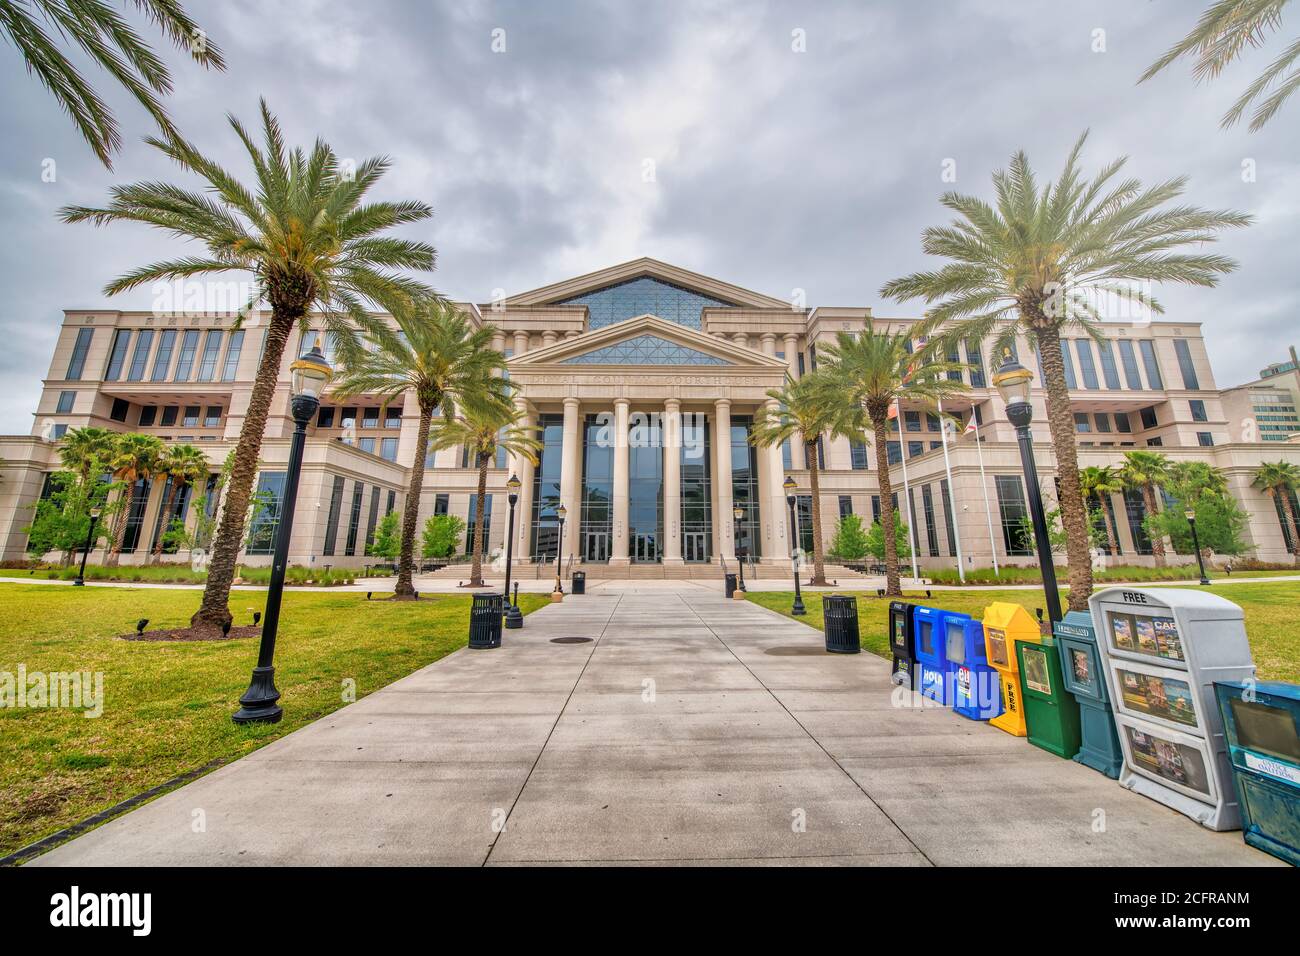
<point x="646" y="340"/>
<point x="723" y="293"/>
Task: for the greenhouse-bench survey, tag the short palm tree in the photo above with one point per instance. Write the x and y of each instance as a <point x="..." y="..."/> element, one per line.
<point x="484" y="429"/>
<point x="1098" y="484"/>
<point x="446" y="364"/>
<point x="1279" y="480"/>
<point x="134" y="457"/>
<point x="1041" y="261"/>
<point x="309" y="241"/>
<point x="86" y="451"/>
<point x="104" y="36"/>
<point x="808" y="408"/>
<point x="872" y="371"/>
<point x="184" y="465"/>
<point x="1224" y="31"/>
<point x="1143" y="471"/>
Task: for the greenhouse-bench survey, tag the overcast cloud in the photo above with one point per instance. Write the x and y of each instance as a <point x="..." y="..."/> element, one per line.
<point x="774" y="169"/>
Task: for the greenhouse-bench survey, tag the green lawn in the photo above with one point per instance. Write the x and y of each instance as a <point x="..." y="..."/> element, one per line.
<point x="167" y="706"/>
<point x="1270" y="617"/>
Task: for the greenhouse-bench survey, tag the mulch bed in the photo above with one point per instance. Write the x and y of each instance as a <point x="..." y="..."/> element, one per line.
<point x="190" y="634"/>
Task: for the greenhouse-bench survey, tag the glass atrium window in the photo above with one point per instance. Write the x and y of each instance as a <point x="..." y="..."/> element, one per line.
<point x="645" y="350"/>
<point x="644" y="296"/>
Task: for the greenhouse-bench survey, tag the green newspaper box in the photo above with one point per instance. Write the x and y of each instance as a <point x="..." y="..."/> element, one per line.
<point x="1051" y="712"/>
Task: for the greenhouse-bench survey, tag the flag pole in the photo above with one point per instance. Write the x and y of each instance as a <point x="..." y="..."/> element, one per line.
<point x="907" y="491"/>
<point x="988" y="513"/>
<point x="952" y="502"/>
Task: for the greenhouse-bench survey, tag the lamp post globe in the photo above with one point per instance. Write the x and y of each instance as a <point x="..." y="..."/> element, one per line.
<point x="95" y="512"/>
<point x="1013" y="382"/>
<point x="797" y="608"/>
<point x="310" y="373"/>
<point x="1190" y="515"/>
<point x="513" y="618"/>
<point x="738" y="513"/>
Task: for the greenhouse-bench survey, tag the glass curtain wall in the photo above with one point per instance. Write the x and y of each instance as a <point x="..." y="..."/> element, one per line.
<point x="546" y="488"/>
<point x="597" y="490"/>
<point x="744" y="488"/>
<point x="697" y="489"/>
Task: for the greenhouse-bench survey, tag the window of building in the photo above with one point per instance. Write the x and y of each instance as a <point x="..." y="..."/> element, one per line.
<point x="393" y="416"/>
<point x="1103" y="421"/>
<point x="372" y="518"/>
<point x="231" y="365"/>
<point x="212" y="417"/>
<point x="140" y="357"/>
<point x="162" y="521"/>
<point x="846" y="505"/>
<point x="1185" y="366"/>
<point x="1149" y="362"/>
<point x="545" y="543"/>
<point x="1205" y="440"/>
<point x="1288" y="532"/>
<point x="1071" y="381"/>
<point x="598" y="487"/>
<point x="191" y="417"/>
<point x="80" y="349"/>
<point x="787" y="455"/>
<point x="392" y="501"/>
<point x="1088" y="370"/>
<point x="931" y="422"/>
<point x="915" y="448"/>
<point x="640" y="296"/>
<point x="1197" y="408"/>
<point x="119" y="411"/>
<point x="800" y="363"/>
<point x="858" y="455"/>
<point x="975" y="358"/>
<point x="388" y="449"/>
<point x="469" y="522"/>
<point x="1122" y="422"/>
<point x="169" y="414"/>
<point x="325" y="418"/>
<point x="185" y="363"/>
<point x="367" y="445"/>
<point x="1081" y="423"/>
<point x="1108" y="370"/>
<point x="135" y="517"/>
<point x="893" y="452"/>
<point x="370" y="418"/>
<point x="117" y="356"/>
<point x="1012" y="511"/>
<point x="354" y="519"/>
<point x="266" y="516"/>
<point x="744" y="485"/>
<point x="441" y="503"/>
<point x="65" y="402"/>
<point x="931" y="532"/>
<point x="1148" y="416"/>
<point x="945" y="503"/>
<point x="211" y="349"/>
<point x="1132" y="376"/>
<point x="332" y="522"/>
<point x="162" y="361"/>
<point x="1135" y="511"/>
<point x="348" y="418"/>
<point x="912" y="421"/>
<point x="953" y="356"/>
<point x="147" y="415"/>
<point x="1155" y="442"/>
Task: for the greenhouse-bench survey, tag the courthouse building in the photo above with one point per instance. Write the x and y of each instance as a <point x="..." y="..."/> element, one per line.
<point x="643" y="381"/>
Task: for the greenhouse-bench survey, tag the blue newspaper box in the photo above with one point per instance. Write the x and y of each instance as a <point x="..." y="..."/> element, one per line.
<point x="1261" y="722"/>
<point x="1086" y="680"/>
<point x="976" y="686"/>
<point x="934" y="674"/>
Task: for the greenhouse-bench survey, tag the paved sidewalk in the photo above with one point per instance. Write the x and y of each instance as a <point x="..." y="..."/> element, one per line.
<point x="691" y="729"/>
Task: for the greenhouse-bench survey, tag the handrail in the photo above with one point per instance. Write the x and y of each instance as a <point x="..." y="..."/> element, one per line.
<point x="568" y="569"/>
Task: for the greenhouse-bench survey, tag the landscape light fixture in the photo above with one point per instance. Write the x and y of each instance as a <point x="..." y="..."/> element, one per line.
<point x="513" y="618"/>
<point x="797" y="608"/>
<point x="95" y="512"/>
<point x="1190" y="515"/>
<point x="738" y="513"/>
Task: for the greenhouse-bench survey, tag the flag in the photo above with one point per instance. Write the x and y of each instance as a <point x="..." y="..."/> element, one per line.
<point x="970" y="426"/>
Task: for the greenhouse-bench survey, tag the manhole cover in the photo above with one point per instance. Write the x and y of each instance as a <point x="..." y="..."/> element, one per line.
<point x="793" y="650"/>
<point x="570" y="640"/>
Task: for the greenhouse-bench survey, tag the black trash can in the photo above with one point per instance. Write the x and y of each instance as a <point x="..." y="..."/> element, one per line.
<point x="840" y="616"/>
<point x="730" y="585"/>
<point x="579" y="582"/>
<point x="485" y="620"/>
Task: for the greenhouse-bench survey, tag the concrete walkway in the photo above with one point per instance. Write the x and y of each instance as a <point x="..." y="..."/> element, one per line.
<point x="690" y="729"/>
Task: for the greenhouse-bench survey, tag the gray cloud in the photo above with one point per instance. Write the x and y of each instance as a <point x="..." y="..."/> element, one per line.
<point x="773" y="169"/>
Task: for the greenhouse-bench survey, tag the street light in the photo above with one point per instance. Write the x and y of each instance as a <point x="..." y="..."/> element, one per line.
<point x="1012" y="381"/>
<point x="95" y="512"/>
<point x="739" y="512"/>
<point x="797" y="608"/>
<point x="1190" y="515"/>
<point x="310" y="374"/>
<point x="513" y="618"/>
<point x="560" y="513"/>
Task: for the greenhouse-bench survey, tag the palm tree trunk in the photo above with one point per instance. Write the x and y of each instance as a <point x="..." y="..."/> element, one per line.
<point x="814" y="483"/>
<point x="880" y="427"/>
<point x="119" y="532"/>
<point x="166" y="522"/>
<point x="215" y="610"/>
<point x="1112" y="533"/>
<point x="411" y="511"/>
<point x="476" y="566"/>
<point x="1290" y="517"/>
<point x="1157" y="542"/>
<point x="1060" y="420"/>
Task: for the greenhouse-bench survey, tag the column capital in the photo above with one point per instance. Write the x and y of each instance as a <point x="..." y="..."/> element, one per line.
<point x="672" y="404"/>
<point x="572" y="402"/>
<point x="624" y="402"/>
<point x="722" y="403"/>
<point x="769" y="337"/>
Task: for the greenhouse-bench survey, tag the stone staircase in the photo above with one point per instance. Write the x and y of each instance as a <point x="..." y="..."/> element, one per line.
<point x="657" y="572"/>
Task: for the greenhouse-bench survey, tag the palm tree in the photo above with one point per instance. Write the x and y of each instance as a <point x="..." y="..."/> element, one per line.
<point x="134" y="457"/>
<point x="483" y="429"/>
<point x="1143" y="471"/>
<point x="1098" y="484"/>
<point x="184" y="465"/>
<point x="1042" y="261"/>
<point x="86" y="451"/>
<point x="1279" y="480"/>
<point x="309" y="242"/>
<point x="1224" y="31"/>
<point x="103" y="35"/>
<point x="872" y="371"/>
<point x="809" y="408"/>
<point x="445" y="363"/>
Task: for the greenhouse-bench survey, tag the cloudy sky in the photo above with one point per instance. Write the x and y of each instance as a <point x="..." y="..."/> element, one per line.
<point x="793" y="146"/>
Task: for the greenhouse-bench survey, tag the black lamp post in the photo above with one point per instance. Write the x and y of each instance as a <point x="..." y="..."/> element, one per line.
<point x="797" y="608"/>
<point x="513" y="618"/>
<point x="1190" y="515"/>
<point x="738" y="513"/>
<point x="90" y="543"/>
<point x="560" y="513"/>
<point x="1012" y="381"/>
<point x="310" y="374"/>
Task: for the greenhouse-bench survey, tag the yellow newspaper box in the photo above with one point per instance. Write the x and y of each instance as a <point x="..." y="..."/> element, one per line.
<point x="1004" y="624"/>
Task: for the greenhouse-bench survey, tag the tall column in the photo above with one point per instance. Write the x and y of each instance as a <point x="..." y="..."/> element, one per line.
<point x="524" y="469"/>
<point x="619" y="552"/>
<point x="768" y="340"/>
<point x="741" y="339"/>
<point x="549" y="337"/>
<point x="570" y="482"/>
<point x="771" y="497"/>
<point x="521" y="343"/>
<point x="723" y="521"/>
<point x="498" y="340"/>
<point x="792" y="355"/>
<point x="671" y="435"/>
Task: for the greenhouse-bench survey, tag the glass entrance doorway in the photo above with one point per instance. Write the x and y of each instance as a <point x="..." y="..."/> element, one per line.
<point x="695" y="546"/>
<point x="645" y="548"/>
<point x="595" y="546"/>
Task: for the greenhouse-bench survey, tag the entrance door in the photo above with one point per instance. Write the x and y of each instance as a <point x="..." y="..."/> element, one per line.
<point x="645" y="548"/>
<point x="595" y="546"/>
<point x="695" y="546"/>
